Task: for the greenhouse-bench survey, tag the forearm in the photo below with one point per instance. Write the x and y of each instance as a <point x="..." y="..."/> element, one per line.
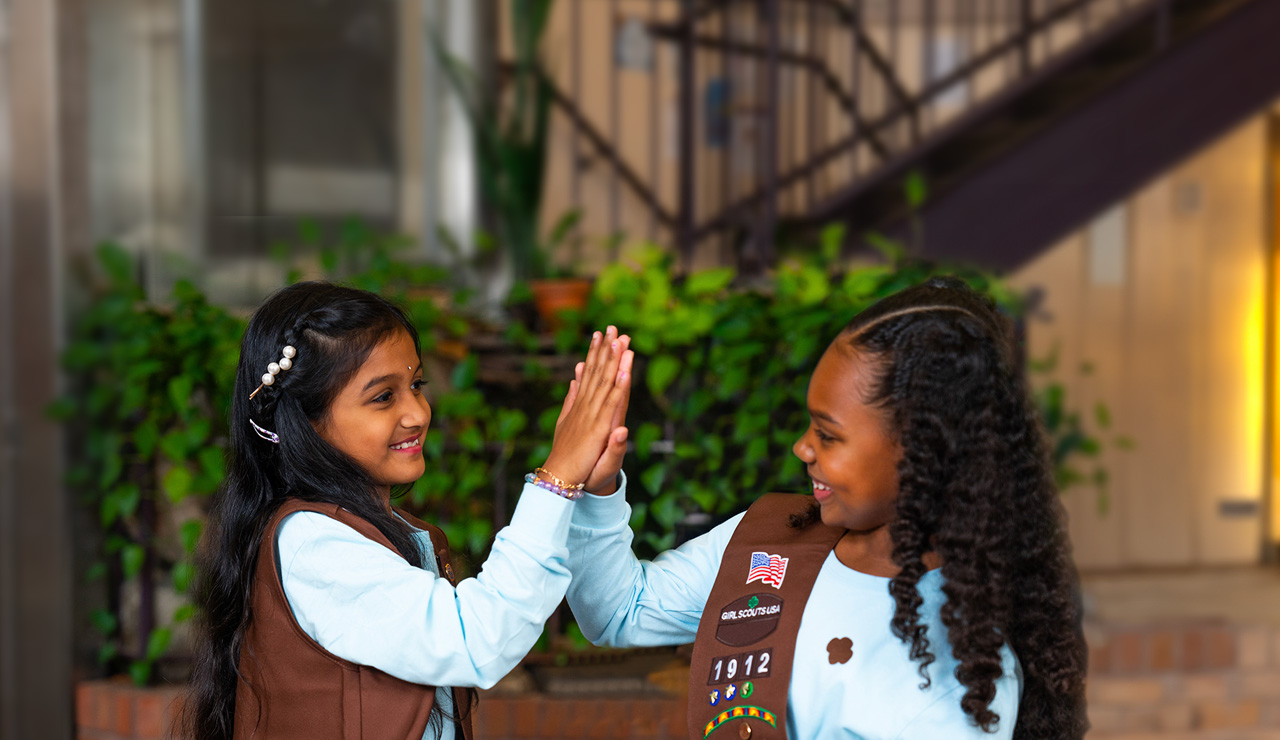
<point x="620" y="600"/>
<point x="363" y="603"/>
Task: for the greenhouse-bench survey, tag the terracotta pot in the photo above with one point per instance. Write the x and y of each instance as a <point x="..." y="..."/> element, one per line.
<point x="551" y="297"/>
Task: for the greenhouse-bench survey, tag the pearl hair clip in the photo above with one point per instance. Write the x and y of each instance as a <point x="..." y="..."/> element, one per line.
<point x="275" y="368"/>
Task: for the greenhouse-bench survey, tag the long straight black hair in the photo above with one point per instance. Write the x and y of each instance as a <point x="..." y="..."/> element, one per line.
<point x="333" y="329"/>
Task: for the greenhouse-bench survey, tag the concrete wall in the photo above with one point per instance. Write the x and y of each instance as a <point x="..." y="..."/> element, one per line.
<point x="1164" y="296"/>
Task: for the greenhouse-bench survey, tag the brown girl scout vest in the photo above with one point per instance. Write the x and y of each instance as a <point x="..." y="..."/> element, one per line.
<point x="304" y="692"/>
<point x="740" y="671"/>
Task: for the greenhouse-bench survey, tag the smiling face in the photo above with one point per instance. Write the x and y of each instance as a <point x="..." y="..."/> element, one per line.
<point x="849" y="450"/>
<point x="380" y="416"/>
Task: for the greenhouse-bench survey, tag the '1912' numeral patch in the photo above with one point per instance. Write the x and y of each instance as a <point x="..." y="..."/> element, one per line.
<point x="754" y="664"/>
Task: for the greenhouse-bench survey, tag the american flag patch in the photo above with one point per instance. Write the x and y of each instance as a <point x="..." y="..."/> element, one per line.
<point x="767" y="568"/>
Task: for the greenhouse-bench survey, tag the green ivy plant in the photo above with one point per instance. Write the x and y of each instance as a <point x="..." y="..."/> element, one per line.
<point x="148" y="408"/>
<point x="725" y="369"/>
<point x="717" y="402"/>
<point x="1074" y="446"/>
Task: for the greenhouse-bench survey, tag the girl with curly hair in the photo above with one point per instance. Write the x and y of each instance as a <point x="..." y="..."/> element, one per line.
<point x="325" y="611"/>
<point x="925" y="589"/>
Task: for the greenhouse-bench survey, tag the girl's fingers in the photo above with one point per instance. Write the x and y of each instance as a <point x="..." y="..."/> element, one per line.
<point x="600" y="368"/>
<point x="568" y="402"/>
<point x="624" y="366"/>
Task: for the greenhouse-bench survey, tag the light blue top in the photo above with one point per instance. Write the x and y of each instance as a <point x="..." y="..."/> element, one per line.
<point x="874" y="695"/>
<point x="363" y="603"/>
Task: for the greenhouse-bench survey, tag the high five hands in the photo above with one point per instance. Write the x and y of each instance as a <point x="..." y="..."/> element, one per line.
<point x="590" y="439"/>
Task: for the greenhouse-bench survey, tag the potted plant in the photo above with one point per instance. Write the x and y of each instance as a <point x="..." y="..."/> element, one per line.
<point x="511" y="149"/>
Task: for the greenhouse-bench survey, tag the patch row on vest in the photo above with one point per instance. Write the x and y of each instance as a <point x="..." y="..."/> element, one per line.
<point x="759" y="713"/>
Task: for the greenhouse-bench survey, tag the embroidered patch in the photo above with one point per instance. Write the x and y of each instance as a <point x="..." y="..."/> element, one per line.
<point x="768" y="569"/>
<point x="754" y="664"/>
<point x="759" y="713"/>
<point x="839" y="650"/>
<point x="748" y="620"/>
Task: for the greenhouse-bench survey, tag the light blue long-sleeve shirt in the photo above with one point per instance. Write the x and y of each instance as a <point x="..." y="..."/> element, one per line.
<point x="364" y="603"/>
<point x="873" y="695"/>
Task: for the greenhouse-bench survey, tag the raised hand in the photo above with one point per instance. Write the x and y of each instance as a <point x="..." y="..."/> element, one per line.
<point x="604" y="476"/>
<point x="588" y="430"/>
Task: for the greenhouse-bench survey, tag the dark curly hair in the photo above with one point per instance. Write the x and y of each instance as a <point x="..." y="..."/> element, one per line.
<point x="975" y="486"/>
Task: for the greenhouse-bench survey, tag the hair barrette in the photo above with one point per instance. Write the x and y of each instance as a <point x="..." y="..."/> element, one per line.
<point x="275" y="368"/>
<point x="266" y="434"/>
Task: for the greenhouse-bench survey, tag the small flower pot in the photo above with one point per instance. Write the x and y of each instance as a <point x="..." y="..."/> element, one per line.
<point x="552" y="297"/>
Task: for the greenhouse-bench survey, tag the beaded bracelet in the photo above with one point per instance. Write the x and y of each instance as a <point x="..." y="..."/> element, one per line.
<point x="573" y="494"/>
<point x="556" y="481"/>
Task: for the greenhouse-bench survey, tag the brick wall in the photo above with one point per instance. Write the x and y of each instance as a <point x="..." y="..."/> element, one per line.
<point x="116" y="710"/>
<point x="1203" y="681"/>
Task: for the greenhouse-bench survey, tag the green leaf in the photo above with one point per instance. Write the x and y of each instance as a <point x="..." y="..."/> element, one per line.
<point x="146" y="437"/>
<point x="464" y="374"/>
<point x="95" y="572"/>
<point x="104" y="621"/>
<point x="213" y="461"/>
<point x="892" y="250"/>
<point x="183" y="572"/>
<point x="915" y="189"/>
<point x="662" y="370"/>
<point x="831" y="242"/>
<point x="117" y="262"/>
<point x="688" y="451"/>
<point x="645" y="436"/>
<point x="108" y="653"/>
<point x="140" y="672"/>
<point x="184" y="613"/>
<point x="639" y="513"/>
<point x="61" y="409"/>
<point x="198" y="432"/>
<point x="112" y="467"/>
<point x="470" y="439"/>
<point x="124" y="499"/>
<point x="1103" y="415"/>
<point x="666" y="510"/>
<point x="510" y="423"/>
<point x="190" y="534"/>
<point x="653" y="477"/>
<point x="709" y="282"/>
<point x="132" y="556"/>
<point x="158" y="642"/>
<point x="177" y="483"/>
<point x="174" y="446"/>
<point x="180" y="388"/>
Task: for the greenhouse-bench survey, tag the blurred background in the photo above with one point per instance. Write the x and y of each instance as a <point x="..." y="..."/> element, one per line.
<point x="729" y="181"/>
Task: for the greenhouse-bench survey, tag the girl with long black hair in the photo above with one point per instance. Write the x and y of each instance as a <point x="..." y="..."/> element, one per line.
<point x="924" y="590"/>
<point x="326" y="612"/>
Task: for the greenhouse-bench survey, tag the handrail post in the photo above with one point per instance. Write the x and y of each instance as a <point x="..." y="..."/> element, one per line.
<point x="1026" y="37"/>
<point x="764" y="249"/>
<point x="1162" y="25"/>
<point x="688" y="118"/>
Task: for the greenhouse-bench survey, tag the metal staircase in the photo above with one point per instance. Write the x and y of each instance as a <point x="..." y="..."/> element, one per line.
<point x="1024" y="117"/>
